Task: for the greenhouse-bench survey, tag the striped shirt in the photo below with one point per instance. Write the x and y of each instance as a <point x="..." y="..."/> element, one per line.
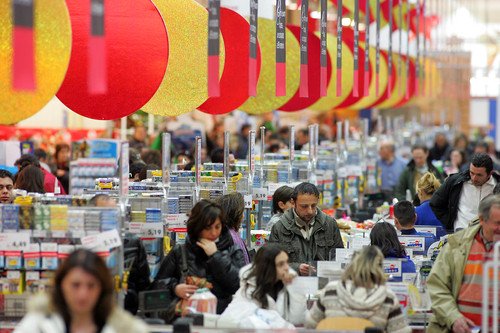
<point x="470" y="297"/>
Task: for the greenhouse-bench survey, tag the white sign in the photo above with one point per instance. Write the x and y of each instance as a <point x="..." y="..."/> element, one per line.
<point x="176" y="220"/>
<point x="109" y="240"/>
<point x="305" y="285"/>
<point x="430" y="230"/>
<point x="135" y="227"/>
<point x="328" y="268"/>
<point x="357" y="243"/>
<point x="393" y="267"/>
<point x="152" y="230"/>
<point x="248" y="201"/>
<point x="343" y="255"/>
<point x="415" y="243"/>
<point x="15" y="241"/>
<point x="260" y="194"/>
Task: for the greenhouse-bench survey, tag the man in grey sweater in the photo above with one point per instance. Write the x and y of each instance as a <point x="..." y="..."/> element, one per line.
<point x="305" y="232"/>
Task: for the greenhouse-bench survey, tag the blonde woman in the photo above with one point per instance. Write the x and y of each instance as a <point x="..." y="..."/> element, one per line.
<point x="426" y="187"/>
<point x="361" y="293"/>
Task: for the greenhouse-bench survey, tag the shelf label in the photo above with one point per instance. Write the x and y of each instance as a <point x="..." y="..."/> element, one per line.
<point x="109" y="240"/>
<point x="152" y="230"/>
<point x="14" y="241"/>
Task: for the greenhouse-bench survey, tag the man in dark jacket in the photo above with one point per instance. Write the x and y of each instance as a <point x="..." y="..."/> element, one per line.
<point x="456" y="202"/>
<point x="305" y="232"/>
<point x="417" y="167"/>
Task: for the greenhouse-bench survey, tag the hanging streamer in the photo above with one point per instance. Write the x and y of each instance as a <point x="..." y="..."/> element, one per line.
<point x="97" y="68"/>
<point x="400" y="51"/>
<point x="417" y="61"/>
<point x="407" y="94"/>
<point x="23" y="41"/>
<point x="366" y="90"/>
<point x="389" y="88"/>
<point x="252" y="63"/>
<point x="323" y="86"/>
<point x="377" y="51"/>
<point x="425" y="49"/>
<point x="339" y="48"/>
<point x="355" y="89"/>
<point x="304" y="39"/>
<point x="280" y="48"/>
<point x="213" y="48"/>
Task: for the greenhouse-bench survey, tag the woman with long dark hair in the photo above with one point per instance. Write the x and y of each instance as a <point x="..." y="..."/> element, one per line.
<point x="209" y="258"/>
<point x="82" y="300"/>
<point x="384" y="236"/>
<point x="264" y="285"/>
<point x="30" y="178"/>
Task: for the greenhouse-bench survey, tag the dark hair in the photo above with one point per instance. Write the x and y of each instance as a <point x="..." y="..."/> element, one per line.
<point x="143" y="174"/>
<point x="420" y="146"/>
<point x="482" y="144"/>
<point x="385" y="237"/>
<point x="462" y="154"/>
<point x="134" y="156"/>
<point x="305" y="188"/>
<point x="304" y="131"/>
<point x="233" y="206"/>
<point x="404" y="211"/>
<point x="136" y="168"/>
<point x="59" y="147"/>
<point x="40" y="153"/>
<point x="263" y="270"/>
<point x="27" y="159"/>
<point x="217" y="155"/>
<point x="482" y="160"/>
<point x="283" y="194"/>
<point x="31" y="179"/>
<point x="151" y="157"/>
<point x="6" y="174"/>
<point x="92" y="264"/>
<point x="203" y="215"/>
<point x="245" y="126"/>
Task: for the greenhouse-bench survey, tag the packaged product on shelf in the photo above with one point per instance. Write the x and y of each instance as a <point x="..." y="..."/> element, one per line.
<point x="63" y="251"/>
<point x="10" y="217"/>
<point x="41" y="217"/>
<point x="109" y="257"/>
<point x="2" y="259"/>
<point x="109" y="219"/>
<point x="153" y="215"/>
<point x="13" y="259"/>
<point x="49" y="256"/>
<point x="59" y="218"/>
<point x="76" y="222"/>
<point x="25" y="217"/>
<point x="32" y="257"/>
<point x="13" y="283"/>
<point x="92" y="221"/>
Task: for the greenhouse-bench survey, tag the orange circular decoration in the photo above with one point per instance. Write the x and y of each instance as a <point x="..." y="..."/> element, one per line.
<point x="52" y="48"/>
<point x="137" y="52"/>
<point x="314" y="50"/>
<point x="234" y="80"/>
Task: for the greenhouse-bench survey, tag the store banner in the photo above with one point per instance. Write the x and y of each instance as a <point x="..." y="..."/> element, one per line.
<point x="304" y="46"/>
<point x="389" y="57"/>
<point x="23" y="40"/>
<point x="323" y="55"/>
<point x="97" y="66"/>
<point x="280" y="48"/>
<point x="377" y="51"/>
<point x="417" y="61"/>
<point x="213" y="47"/>
<point x="339" y="48"/>
<point x="252" y="68"/>
<point x="366" y="90"/>
<point x="355" y="89"/>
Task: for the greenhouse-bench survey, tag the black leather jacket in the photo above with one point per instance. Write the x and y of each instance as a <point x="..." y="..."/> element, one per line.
<point x="139" y="278"/>
<point x="221" y="269"/>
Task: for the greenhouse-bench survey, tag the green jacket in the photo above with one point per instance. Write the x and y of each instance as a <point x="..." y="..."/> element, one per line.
<point x="446" y="277"/>
<point x="325" y="236"/>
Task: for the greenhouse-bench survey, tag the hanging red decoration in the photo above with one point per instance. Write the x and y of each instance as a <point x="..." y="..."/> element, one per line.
<point x="137" y="52"/>
<point x="234" y="80"/>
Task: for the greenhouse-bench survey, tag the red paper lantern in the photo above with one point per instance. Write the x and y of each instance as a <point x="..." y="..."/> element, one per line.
<point x="137" y="52"/>
<point x="234" y="81"/>
<point x="314" y="43"/>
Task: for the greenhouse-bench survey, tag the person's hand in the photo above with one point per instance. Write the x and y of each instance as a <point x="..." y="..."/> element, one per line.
<point x="208" y="246"/>
<point x="287" y="278"/>
<point x="462" y="325"/>
<point x="185" y="291"/>
<point x="60" y="173"/>
<point x="305" y="268"/>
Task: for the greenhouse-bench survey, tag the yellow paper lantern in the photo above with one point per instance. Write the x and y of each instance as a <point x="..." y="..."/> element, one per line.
<point x="185" y="84"/>
<point x="52" y="52"/>
<point x="399" y="89"/>
<point x="266" y="100"/>
<point x="331" y="100"/>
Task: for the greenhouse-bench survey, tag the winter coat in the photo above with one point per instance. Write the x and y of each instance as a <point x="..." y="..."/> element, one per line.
<point x="379" y="305"/>
<point x="407" y="178"/>
<point x="445" y="201"/>
<point x="221" y="269"/>
<point x="41" y="318"/>
<point x="446" y="277"/>
<point x="289" y="305"/>
<point x="136" y="262"/>
<point x="325" y="237"/>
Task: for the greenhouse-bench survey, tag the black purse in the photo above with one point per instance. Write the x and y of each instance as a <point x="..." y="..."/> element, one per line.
<point x="170" y="315"/>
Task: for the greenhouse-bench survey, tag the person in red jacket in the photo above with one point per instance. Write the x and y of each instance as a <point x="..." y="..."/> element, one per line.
<point x="50" y="183"/>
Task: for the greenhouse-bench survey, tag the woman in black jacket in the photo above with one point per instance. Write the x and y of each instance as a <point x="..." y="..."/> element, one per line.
<point x="210" y="253"/>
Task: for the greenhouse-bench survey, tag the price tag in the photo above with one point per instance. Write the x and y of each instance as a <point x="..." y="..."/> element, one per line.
<point x="152" y="230"/>
<point x="415" y="243"/>
<point x="342" y="172"/>
<point x="135" y="227"/>
<point x="109" y="240"/>
<point x="430" y="230"/>
<point x="32" y="276"/>
<point x="176" y="220"/>
<point x="77" y="233"/>
<point x="343" y="255"/>
<point x="40" y="233"/>
<point x="13" y="275"/>
<point x="354" y="170"/>
<point x="59" y="234"/>
<point x="14" y="241"/>
<point x="248" y="201"/>
<point x="393" y="267"/>
<point x="260" y="194"/>
<point x="357" y="243"/>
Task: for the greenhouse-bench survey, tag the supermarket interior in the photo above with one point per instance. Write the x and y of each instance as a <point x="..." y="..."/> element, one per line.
<point x="249" y="166"/>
